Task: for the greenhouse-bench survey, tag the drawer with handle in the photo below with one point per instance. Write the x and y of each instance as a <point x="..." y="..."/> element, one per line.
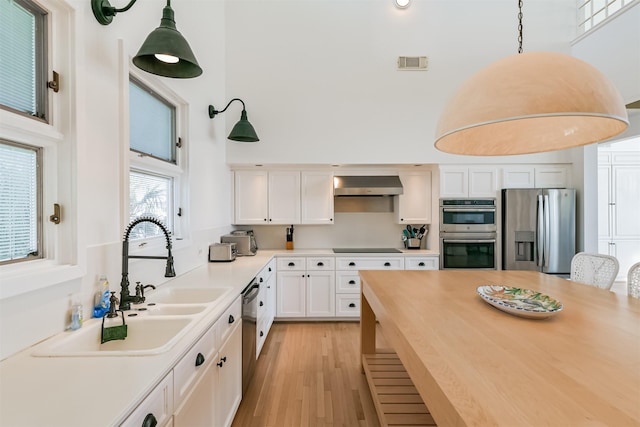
<point x="347" y="282"/>
<point x="369" y="263"/>
<point x="347" y="305"/>
<point x="291" y="263"/>
<point x="421" y="263"/>
<point x="320" y="263"/>
<point x="195" y="362"/>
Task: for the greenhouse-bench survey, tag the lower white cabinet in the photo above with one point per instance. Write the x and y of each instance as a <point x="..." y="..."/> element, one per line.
<point x="205" y="386"/>
<point x="156" y="408"/>
<point x="431" y="262"/>
<point x="229" y="388"/>
<point x="305" y="287"/>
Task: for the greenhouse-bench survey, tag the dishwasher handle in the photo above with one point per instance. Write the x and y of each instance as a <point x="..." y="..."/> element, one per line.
<point x="250" y="293"/>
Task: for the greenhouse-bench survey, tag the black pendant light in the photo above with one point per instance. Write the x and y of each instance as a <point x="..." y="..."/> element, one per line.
<point x="165" y="52"/>
<point x="243" y="131"/>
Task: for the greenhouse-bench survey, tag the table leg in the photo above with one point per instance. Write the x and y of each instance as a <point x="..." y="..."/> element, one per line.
<point x="367" y="328"/>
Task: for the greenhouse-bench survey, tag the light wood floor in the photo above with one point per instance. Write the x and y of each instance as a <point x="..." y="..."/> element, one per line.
<point x="309" y="374"/>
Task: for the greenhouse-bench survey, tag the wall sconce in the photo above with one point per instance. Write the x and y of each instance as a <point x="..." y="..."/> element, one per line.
<point x="165" y="52"/>
<point x="243" y="130"/>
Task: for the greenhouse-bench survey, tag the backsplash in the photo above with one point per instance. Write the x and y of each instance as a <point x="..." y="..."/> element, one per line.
<point x="349" y="230"/>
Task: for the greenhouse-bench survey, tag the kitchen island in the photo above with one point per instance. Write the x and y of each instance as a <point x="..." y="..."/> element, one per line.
<point x="474" y="365"/>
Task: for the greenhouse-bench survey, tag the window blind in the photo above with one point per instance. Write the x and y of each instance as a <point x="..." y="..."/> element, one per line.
<point x="19" y="208"/>
<point x="150" y="195"/>
<point x="22" y="79"/>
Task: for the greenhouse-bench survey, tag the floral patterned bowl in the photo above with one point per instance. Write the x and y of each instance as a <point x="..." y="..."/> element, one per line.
<point x="520" y="301"/>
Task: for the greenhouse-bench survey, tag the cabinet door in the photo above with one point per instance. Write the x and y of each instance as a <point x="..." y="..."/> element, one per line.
<point x="626" y="199"/>
<point x="518" y="177"/>
<point x="251" y="201"/>
<point x="284" y="197"/>
<point x="199" y="407"/>
<point x="271" y="301"/>
<point x="229" y="366"/>
<point x="158" y="405"/>
<point x="483" y="182"/>
<point x="317" y="197"/>
<point x="454" y="182"/>
<point x="604" y="202"/>
<point x="321" y="291"/>
<point x="551" y="177"/>
<point x="414" y="205"/>
<point x="291" y="294"/>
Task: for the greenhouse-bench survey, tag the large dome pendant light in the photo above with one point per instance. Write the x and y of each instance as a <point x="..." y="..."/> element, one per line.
<point x="529" y="103"/>
<point x="165" y="52"/>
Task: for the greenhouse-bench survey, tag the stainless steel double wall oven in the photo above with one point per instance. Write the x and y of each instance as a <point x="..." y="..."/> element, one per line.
<point x="468" y="234"/>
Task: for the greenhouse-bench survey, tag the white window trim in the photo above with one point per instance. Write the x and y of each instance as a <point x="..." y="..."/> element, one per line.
<point x="57" y="139"/>
<point x="179" y="171"/>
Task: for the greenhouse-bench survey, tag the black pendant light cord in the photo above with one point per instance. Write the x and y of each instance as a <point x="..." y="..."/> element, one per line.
<point x="519" y="26"/>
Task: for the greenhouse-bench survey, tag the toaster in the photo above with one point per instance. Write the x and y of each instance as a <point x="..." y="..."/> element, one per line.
<point x="245" y="241"/>
<point x="222" y="252"/>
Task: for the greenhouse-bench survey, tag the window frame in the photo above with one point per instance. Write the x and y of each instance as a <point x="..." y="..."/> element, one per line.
<point x="42" y="60"/>
<point x="144" y="163"/>
<point x="57" y="140"/>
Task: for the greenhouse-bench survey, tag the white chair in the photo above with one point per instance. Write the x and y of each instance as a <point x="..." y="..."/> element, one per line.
<point x="633" y="281"/>
<point x="594" y="269"/>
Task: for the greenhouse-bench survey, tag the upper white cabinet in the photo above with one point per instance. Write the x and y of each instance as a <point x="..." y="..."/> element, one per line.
<point x="460" y="181"/>
<point x="317" y="197"/>
<point x="413" y="206"/>
<point x="535" y="176"/>
<point x="263" y="197"/>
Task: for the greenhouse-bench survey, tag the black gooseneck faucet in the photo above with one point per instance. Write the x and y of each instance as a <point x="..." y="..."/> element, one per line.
<point x="125" y="297"/>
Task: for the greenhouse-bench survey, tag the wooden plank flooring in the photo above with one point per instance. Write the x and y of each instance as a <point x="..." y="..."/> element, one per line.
<point x="309" y="374"/>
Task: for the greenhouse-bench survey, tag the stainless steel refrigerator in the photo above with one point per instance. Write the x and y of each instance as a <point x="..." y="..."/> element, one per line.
<point x="538" y="229"/>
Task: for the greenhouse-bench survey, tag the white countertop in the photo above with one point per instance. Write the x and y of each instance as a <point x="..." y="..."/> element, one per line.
<point x="96" y="391"/>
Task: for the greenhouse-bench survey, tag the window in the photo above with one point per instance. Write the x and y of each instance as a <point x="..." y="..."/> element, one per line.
<point x="155" y="169"/>
<point x="23" y="65"/>
<point x="593" y="12"/>
<point x="20" y="208"/>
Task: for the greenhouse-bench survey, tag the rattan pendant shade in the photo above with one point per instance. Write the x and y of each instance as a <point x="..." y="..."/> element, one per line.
<point x="528" y="103"/>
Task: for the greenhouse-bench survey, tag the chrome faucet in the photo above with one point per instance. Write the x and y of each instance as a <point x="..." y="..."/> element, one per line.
<point x="125" y="297"/>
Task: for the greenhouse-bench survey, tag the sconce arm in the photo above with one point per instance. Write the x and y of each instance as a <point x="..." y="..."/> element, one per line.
<point x="213" y="111"/>
<point x="104" y="12"/>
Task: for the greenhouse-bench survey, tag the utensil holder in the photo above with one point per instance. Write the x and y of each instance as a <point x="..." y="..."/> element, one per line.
<point x="412" y="243"/>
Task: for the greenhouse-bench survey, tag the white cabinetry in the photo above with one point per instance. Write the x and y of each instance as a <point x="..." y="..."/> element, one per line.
<point x="348" y="280"/>
<point x="618" y="207"/>
<point x="305" y="287"/>
<point x="535" y="176"/>
<point x="266" y="303"/>
<point x="457" y="181"/>
<point x="413" y="206"/>
<point x="317" y="197"/>
<point x="229" y="363"/>
<point x="430" y="262"/>
<point x="156" y="407"/>
<point x="263" y="197"/>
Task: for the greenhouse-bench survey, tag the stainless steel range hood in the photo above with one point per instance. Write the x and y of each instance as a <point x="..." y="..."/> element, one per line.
<point x="379" y="185"/>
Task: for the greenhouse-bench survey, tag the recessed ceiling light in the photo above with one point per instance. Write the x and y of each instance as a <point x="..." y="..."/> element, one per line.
<point x="402" y="4"/>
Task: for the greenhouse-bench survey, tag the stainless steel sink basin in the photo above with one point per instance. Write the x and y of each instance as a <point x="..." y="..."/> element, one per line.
<point x="145" y="336"/>
<point x="186" y="295"/>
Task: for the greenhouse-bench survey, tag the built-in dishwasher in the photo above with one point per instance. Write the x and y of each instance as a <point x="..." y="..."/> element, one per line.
<point x="249" y="315"/>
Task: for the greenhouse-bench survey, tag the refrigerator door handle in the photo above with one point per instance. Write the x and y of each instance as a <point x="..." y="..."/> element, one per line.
<point x="547" y="231"/>
<point x="539" y="234"/>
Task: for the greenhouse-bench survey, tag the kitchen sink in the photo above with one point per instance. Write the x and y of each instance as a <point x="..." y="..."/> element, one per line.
<point x="186" y="295"/>
<point x="153" y="309"/>
<point x="146" y="335"/>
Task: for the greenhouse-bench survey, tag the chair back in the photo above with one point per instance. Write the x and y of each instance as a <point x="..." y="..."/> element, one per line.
<point x="594" y="269"/>
<point x="633" y="281"/>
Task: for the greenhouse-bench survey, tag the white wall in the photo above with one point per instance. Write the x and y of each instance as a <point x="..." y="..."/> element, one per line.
<point x="321" y="85"/>
<point x="101" y="154"/>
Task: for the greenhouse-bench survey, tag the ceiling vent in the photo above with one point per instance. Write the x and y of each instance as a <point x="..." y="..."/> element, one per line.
<point x="412" y="63"/>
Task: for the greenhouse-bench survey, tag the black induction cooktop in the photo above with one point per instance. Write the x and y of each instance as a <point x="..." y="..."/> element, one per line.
<point x="366" y="251"/>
